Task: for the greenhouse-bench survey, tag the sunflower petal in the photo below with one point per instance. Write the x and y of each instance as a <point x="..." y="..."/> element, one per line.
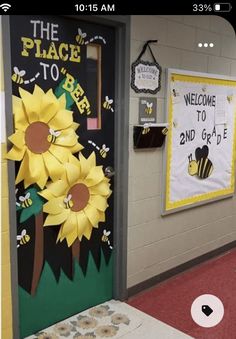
<point x="71" y="238"/>
<point x="62" y="101"/>
<point x="31" y="105"/>
<point x="57" y="188"/>
<point x="54" y="167"/>
<point x="82" y="223"/>
<point x="102" y="188"/>
<point x="43" y="178"/>
<point x="38" y="92"/>
<point x="95" y="176"/>
<point x="61" y="153"/>
<point x="36" y="164"/>
<point x="98" y="202"/>
<point x="46" y="194"/>
<point x="63" y="119"/>
<point x="49" y="106"/>
<point x="23" y="170"/>
<point x="88" y="232"/>
<point x="18" y="138"/>
<point x="20" y="117"/>
<point x="67" y="138"/>
<point x="16" y="154"/>
<point x="92" y="213"/>
<point x="85" y="165"/>
<point x="72" y="173"/>
<point x="76" y="148"/>
<point x="70" y="225"/>
<point x="54" y="206"/>
<point x="56" y="219"/>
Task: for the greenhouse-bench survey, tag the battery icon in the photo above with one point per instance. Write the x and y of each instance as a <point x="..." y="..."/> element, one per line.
<point x="222" y="7"/>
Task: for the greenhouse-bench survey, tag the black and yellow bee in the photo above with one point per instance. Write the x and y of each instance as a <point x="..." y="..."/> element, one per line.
<point x="146" y="130"/>
<point x="107" y="103"/>
<point x="26" y="201"/>
<point x="164" y="131"/>
<point x="148" y="109"/>
<point x="23" y="238"/>
<point x="18" y="75"/>
<point x="68" y="202"/>
<point x="202" y="166"/>
<point x="80" y="37"/>
<point x="52" y="137"/>
<point x="103" y="151"/>
<point x="105" y="238"/>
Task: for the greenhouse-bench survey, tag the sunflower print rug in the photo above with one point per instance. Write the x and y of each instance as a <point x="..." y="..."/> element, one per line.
<point x="111" y="319"/>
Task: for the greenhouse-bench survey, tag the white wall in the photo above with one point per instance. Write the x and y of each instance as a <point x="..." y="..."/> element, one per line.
<point x="156" y="243"/>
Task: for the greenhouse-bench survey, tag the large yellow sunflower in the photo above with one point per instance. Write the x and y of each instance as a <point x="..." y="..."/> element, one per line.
<point x="44" y="138"/>
<point x="78" y="201"/>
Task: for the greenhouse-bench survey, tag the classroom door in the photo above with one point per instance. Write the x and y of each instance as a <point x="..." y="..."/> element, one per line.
<point x="63" y="147"/>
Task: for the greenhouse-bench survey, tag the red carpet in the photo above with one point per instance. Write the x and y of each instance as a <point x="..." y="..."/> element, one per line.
<point x="171" y="300"/>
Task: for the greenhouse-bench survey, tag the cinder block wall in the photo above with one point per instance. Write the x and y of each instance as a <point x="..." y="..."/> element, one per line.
<point x="156" y="243"/>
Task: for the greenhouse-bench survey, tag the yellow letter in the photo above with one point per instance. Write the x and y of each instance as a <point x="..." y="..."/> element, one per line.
<point x="69" y="83"/>
<point x="27" y="44"/>
<point x="74" y="53"/>
<point x="61" y="47"/>
<point x="83" y="105"/>
<point x="77" y="93"/>
<point x="39" y="53"/>
<point x="52" y="52"/>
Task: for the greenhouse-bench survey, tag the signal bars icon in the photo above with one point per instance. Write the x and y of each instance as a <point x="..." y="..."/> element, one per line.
<point x="5" y="7"/>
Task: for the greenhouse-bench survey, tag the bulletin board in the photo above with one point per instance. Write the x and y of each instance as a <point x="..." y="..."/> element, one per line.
<point x="201" y="143"/>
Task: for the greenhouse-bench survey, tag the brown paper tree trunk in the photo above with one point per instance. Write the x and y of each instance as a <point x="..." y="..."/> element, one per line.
<point x="38" y="252"/>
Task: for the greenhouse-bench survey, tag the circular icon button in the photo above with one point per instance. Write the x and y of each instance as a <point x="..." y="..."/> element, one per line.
<point x="207" y="310"/>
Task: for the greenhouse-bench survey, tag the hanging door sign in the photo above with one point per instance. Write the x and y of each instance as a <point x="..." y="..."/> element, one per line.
<point x="201" y="143"/>
<point x="145" y="75"/>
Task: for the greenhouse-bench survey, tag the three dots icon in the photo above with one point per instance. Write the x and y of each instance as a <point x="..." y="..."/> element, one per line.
<point x="205" y="44"/>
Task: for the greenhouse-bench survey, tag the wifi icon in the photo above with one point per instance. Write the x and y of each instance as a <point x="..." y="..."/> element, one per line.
<point x="5" y="7"/>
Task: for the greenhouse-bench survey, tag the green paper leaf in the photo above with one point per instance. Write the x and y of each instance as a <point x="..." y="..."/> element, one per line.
<point x="35" y="208"/>
<point x="60" y="90"/>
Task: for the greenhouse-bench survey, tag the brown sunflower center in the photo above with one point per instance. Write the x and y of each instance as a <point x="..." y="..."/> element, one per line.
<point x="80" y="197"/>
<point x="36" y="137"/>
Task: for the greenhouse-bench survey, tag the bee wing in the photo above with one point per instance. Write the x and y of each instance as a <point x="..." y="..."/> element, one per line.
<point x="106" y="98"/>
<point x="21" y="198"/>
<point x="103" y="146"/>
<point x="22" y="73"/>
<point x="104" y="232"/>
<point x="148" y="104"/>
<point x="84" y="35"/>
<point x="79" y="31"/>
<point x="107" y="149"/>
<point x="23" y="232"/>
<point x="57" y="133"/>
<point x="65" y="200"/>
<point x="108" y="233"/>
<point x="151" y="104"/>
<point x="110" y="101"/>
<point x="16" y="70"/>
<point x="18" y="237"/>
<point x="69" y="197"/>
<point x="27" y="195"/>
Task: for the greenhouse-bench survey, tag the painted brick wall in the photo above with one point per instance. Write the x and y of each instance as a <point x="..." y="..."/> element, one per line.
<point x="156" y="243"/>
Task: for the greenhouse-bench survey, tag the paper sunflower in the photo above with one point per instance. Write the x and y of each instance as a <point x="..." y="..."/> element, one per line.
<point x="44" y="138"/>
<point x="78" y="201"/>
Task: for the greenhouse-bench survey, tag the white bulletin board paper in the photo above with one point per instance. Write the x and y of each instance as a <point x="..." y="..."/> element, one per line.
<point x="201" y="143"/>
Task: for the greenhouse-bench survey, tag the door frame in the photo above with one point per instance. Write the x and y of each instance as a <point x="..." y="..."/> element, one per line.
<point x="121" y="24"/>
